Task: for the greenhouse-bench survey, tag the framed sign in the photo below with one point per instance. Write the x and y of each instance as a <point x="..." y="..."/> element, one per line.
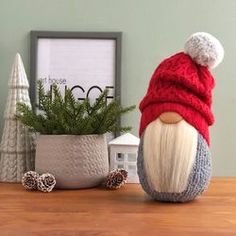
<point x="85" y="62"/>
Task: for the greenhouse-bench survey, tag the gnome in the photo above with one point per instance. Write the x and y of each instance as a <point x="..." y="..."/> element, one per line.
<point x="174" y="160"/>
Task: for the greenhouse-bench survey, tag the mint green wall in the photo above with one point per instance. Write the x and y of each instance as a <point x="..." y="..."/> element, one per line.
<point x="152" y="30"/>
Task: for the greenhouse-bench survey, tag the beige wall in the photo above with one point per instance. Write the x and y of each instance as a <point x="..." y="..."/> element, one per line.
<point x="152" y="30"/>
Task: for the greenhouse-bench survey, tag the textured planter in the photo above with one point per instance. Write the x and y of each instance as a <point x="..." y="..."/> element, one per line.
<point x="76" y="161"/>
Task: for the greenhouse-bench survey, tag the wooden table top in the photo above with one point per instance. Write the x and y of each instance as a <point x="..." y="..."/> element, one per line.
<point x="123" y="212"/>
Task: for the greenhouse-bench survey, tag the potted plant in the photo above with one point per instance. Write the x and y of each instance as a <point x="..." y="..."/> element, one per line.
<point x="72" y="142"/>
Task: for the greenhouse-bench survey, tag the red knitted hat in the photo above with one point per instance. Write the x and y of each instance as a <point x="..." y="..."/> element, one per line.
<point x="183" y="83"/>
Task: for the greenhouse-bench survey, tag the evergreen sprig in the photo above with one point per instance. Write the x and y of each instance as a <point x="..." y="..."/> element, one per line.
<point x="66" y="115"/>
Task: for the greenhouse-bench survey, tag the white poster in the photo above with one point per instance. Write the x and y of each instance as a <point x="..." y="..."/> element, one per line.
<point x="86" y="66"/>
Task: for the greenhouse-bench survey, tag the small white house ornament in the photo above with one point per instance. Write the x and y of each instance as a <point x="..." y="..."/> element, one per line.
<point x="123" y="154"/>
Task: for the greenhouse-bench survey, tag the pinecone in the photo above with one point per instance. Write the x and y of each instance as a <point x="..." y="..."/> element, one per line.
<point x="30" y="180"/>
<point x="46" y="182"/>
<point x="124" y="173"/>
<point x="116" y="178"/>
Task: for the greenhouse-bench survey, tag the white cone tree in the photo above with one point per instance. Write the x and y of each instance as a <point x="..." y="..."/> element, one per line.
<point x="17" y="147"/>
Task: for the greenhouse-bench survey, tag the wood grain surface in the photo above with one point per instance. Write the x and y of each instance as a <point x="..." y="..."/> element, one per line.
<point x="123" y="212"/>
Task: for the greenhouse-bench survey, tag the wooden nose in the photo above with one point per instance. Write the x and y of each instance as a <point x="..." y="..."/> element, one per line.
<point x="170" y="117"/>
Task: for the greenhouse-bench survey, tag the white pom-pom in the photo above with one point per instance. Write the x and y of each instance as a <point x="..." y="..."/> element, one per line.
<point x="204" y="49"/>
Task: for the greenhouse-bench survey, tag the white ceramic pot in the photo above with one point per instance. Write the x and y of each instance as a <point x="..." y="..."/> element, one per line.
<point x="76" y="161"/>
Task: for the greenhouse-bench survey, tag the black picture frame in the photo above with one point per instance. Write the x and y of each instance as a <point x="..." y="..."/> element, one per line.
<point x="36" y="35"/>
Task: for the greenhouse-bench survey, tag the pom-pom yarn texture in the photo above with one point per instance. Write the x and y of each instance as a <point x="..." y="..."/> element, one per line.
<point x="204" y="49"/>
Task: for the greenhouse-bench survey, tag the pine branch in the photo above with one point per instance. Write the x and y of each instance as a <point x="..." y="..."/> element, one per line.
<point x="70" y="116"/>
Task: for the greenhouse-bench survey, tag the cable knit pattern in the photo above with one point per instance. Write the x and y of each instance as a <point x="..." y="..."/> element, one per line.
<point x="17" y="146"/>
<point x="198" y="180"/>
<point x="180" y="85"/>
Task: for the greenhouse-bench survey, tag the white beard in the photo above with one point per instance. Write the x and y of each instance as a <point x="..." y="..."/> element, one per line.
<point x="169" y="154"/>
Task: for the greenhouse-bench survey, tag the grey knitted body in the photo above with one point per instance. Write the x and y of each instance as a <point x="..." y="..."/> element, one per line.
<point x="198" y="180"/>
